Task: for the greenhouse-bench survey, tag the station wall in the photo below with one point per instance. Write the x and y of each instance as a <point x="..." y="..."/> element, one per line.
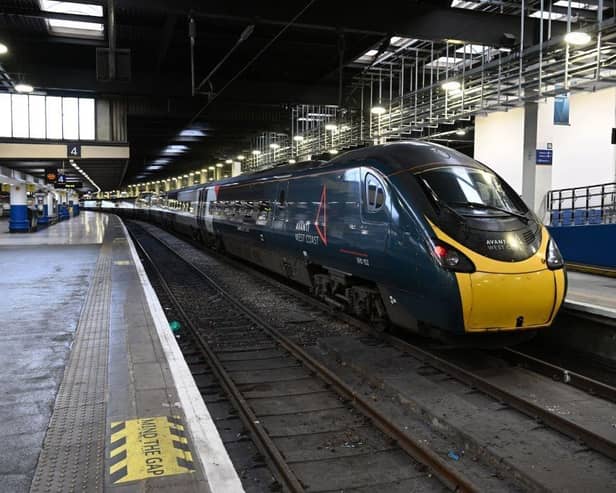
<point x="582" y="151"/>
<point x="499" y="143"/>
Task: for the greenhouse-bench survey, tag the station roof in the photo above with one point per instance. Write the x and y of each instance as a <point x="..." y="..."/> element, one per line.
<point x="289" y="54"/>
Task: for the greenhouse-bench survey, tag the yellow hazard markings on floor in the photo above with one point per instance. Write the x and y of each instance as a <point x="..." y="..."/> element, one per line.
<point x="148" y="448"/>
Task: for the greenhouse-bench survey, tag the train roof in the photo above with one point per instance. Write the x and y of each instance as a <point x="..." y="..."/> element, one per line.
<point x="389" y="158"/>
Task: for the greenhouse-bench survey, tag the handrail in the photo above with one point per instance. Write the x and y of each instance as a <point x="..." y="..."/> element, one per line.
<point x="584" y="205"/>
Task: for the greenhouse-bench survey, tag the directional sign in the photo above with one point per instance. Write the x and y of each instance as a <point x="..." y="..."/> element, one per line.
<point x="73" y="150"/>
<point x="544" y="156"/>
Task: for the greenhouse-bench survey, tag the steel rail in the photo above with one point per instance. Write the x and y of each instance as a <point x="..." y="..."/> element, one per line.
<point x="450" y="478"/>
<point x="261" y="438"/>
<point x="569" y="377"/>
<point x="535" y="411"/>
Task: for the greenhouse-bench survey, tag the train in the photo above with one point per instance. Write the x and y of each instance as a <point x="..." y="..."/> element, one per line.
<point x="411" y="234"/>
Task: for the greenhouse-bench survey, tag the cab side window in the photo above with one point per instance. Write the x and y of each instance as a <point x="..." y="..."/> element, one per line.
<point x="375" y="194"/>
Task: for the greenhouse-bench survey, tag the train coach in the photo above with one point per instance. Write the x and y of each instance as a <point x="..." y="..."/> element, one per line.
<point x="411" y="233"/>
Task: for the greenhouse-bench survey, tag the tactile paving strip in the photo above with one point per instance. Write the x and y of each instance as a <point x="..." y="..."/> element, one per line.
<point x="72" y="457"/>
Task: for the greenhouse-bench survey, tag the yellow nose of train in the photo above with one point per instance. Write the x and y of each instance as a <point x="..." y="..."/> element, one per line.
<point x="502" y="296"/>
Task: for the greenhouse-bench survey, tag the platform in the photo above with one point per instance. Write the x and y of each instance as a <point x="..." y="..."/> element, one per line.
<point x="592" y="294"/>
<point x="96" y="394"/>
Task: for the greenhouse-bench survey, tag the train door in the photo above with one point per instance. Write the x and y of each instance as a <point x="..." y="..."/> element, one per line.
<point x="281" y="209"/>
<point x="375" y="214"/>
<point x="200" y="211"/>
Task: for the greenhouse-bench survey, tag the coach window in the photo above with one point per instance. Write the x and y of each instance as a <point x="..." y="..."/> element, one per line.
<point x="375" y="194"/>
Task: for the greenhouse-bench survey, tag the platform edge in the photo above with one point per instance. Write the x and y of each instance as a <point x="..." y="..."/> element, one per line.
<point x="209" y="449"/>
<point x="581" y="306"/>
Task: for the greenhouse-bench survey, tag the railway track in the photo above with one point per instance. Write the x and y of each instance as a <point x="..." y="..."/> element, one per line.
<point x="534" y="410"/>
<point x="314" y="431"/>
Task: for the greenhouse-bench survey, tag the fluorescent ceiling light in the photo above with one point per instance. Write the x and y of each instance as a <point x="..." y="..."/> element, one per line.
<point x="378" y="110"/>
<point x="366" y="57"/>
<point x="175" y="149"/>
<point x="292" y="161"/>
<point x="298" y="138"/>
<point x="154" y="168"/>
<point x="274" y="146"/>
<point x="256" y="152"/>
<point x="398" y="41"/>
<point x="462" y="4"/>
<point x="240" y="158"/>
<point x="471" y="49"/>
<point x="192" y="132"/>
<point x="331" y="127"/>
<point x="445" y="61"/>
<point x="333" y="151"/>
<point x="549" y="16"/>
<point x="460" y="131"/>
<point x="451" y="85"/>
<point x="61" y="24"/>
<point x="162" y="161"/>
<point x="219" y="165"/>
<point x="71" y="8"/>
<point x="229" y="161"/>
<point x="210" y="168"/>
<point x="577" y="38"/>
<point x="576" y="5"/>
<point x="24" y="88"/>
<point x="4" y="49"/>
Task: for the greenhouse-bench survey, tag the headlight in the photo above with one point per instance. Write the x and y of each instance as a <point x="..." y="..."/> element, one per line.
<point x="452" y="259"/>
<point x="554" y="259"/>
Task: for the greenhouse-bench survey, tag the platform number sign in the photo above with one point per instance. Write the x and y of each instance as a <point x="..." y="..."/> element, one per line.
<point x="73" y="150"/>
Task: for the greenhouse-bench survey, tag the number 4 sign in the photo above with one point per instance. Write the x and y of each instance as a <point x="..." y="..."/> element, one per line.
<point x="73" y="150"/>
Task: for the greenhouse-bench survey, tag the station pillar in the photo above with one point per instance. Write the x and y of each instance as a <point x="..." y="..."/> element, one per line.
<point x="75" y="199"/>
<point x="43" y="219"/>
<point x="51" y="213"/>
<point x="18" y="219"/>
<point x="506" y="142"/>
<point x="236" y="168"/>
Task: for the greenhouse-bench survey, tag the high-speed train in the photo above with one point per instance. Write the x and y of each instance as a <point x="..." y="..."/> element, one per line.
<point x="411" y="233"/>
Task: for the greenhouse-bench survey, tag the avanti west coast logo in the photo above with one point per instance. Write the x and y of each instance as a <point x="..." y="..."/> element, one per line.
<point x="496" y="244"/>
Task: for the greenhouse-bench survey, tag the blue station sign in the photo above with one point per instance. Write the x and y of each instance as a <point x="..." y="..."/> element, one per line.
<point x="544" y="156"/>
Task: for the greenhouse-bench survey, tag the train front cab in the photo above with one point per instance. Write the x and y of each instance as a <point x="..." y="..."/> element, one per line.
<point x="508" y="296"/>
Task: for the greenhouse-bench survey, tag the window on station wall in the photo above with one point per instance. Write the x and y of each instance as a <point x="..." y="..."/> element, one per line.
<point x="53" y="117"/>
<point x="70" y="118"/>
<point x="37" y="117"/>
<point x="5" y="113"/>
<point x="19" y="107"/>
<point x="86" y="119"/>
<point x="47" y="117"/>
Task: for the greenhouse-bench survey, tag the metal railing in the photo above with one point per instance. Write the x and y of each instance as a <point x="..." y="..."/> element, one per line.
<point x="579" y="206"/>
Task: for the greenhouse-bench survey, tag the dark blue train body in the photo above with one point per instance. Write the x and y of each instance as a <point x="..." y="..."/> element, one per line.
<point x="377" y="232"/>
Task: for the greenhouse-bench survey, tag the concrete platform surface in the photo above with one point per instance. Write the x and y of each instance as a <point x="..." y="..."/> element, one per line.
<point x="592" y="294"/>
<point x="86" y="228"/>
<point x="96" y="394"/>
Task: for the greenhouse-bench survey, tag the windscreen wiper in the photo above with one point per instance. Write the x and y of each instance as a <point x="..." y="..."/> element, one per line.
<point x="445" y="205"/>
<point x="479" y="205"/>
<point x="440" y="203"/>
